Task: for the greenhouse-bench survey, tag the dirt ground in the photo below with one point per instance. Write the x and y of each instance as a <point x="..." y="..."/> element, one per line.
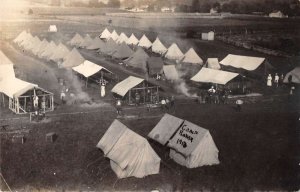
<point x="259" y="147"/>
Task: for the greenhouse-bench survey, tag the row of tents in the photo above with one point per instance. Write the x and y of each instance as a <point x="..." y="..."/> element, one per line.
<point x="20" y="93"/>
<point x="132" y="156"/>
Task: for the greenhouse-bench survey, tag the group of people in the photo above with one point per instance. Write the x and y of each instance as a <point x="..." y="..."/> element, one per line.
<point x="167" y="103"/>
<point x="278" y="80"/>
<point x="214" y="96"/>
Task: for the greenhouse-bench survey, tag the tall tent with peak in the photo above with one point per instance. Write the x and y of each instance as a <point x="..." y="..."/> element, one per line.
<point x="130" y="154"/>
<point x="59" y="53"/>
<point x="122" y="52"/>
<point x="109" y="48"/>
<point x="20" y="37"/>
<point x="34" y="43"/>
<point x="114" y="35"/>
<point x="293" y="75"/>
<point x="132" y="40"/>
<point x="213" y="63"/>
<point x="73" y="59"/>
<point x="174" y="53"/>
<point x="87" y="40"/>
<point x="122" y="38"/>
<point x="191" y="145"/>
<point x="158" y="47"/>
<point x="138" y="59"/>
<point x="76" y="40"/>
<point x="96" y="44"/>
<point x="40" y="46"/>
<point x="105" y="34"/>
<point x="27" y="40"/>
<point x="48" y="50"/>
<point x="192" y="57"/>
<point x="145" y="42"/>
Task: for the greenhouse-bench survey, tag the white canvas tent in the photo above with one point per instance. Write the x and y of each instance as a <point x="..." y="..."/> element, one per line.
<point x="52" y="29"/>
<point x="20" y="37"/>
<point x="174" y="53"/>
<point x="132" y="40"/>
<point x="26" y="40"/>
<point x="88" y="68"/>
<point x="192" y="57"/>
<point x="158" y="47"/>
<point x="170" y="72"/>
<point x="4" y="59"/>
<point x="130" y="154"/>
<point x="105" y="34"/>
<point x="87" y="40"/>
<point x="35" y="50"/>
<point x="210" y="36"/>
<point x="76" y="40"/>
<point x="213" y="63"/>
<point x="59" y="53"/>
<point x="49" y="50"/>
<point x="73" y="59"/>
<point x="191" y="145"/>
<point x="114" y="35"/>
<point x="206" y="75"/>
<point x="6" y="67"/>
<point x="97" y="43"/>
<point x="244" y="62"/>
<point x="122" y="38"/>
<point x="145" y="42"/>
<point x="124" y="86"/>
<point x="123" y="51"/>
<point x="295" y="73"/>
<point x="138" y="59"/>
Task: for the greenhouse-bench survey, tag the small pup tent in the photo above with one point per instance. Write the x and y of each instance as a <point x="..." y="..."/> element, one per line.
<point x="191" y="145"/>
<point x="158" y="47"/>
<point x="52" y="28"/>
<point x="130" y="154"/>
<point x="105" y="34"/>
<point x="174" y="53"/>
<point x="295" y="76"/>
<point x="145" y="42"/>
<point x="192" y="57"/>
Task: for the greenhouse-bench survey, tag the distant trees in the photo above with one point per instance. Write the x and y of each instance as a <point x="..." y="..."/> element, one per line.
<point x="113" y="3"/>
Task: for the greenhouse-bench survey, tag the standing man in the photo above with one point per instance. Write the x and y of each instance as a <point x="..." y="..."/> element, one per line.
<point x="118" y="106"/>
<point x="269" y="80"/>
<point x="239" y="104"/>
<point x="276" y="80"/>
<point x="137" y="98"/>
<point x="103" y="89"/>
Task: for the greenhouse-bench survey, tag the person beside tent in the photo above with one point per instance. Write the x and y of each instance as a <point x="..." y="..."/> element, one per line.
<point x="276" y="80"/>
<point x="281" y="79"/>
<point x="137" y="99"/>
<point x="102" y="89"/>
<point x="269" y="80"/>
<point x="211" y="93"/>
<point x="62" y="96"/>
<point x="119" y="106"/>
<point x="239" y="104"/>
<point x="163" y="104"/>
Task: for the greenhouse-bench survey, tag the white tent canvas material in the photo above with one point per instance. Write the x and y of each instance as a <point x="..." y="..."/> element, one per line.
<point x="206" y="75"/>
<point x="165" y="128"/>
<point x="13" y="87"/>
<point x="192" y="57"/>
<point x="52" y="28"/>
<point x="7" y="71"/>
<point x="124" y="86"/>
<point x="244" y="62"/>
<point x="114" y="35"/>
<point x="123" y="51"/>
<point x="76" y="40"/>
<point x="138" y="59"/>
<point x="105" y="34"/>
<point x="295" y="73"/>
<point x="130" y="154"/>
<point x="4" y="59"/>
<point x="59" y="53"/>
<point x="170" y="72"/>
<point x="213" y="63"/>
<point x="49" y="50"/>
<point x="86" y="41"/>
<point x="40" y="46"/>
<point x="145" y="42"/>
<point x="73" y="59"/>
<point x="193" y="146"/>
<point x="34" y="42"/>
<point x="132" y="40"/>
<point x="97" y="43"/>
<point x="88" y="68"/>
<point x="27" y="40"/>
<point x="122" y="38"/>
<point x="20" y="37"/>
<point x="109" y="48"/>
<point x="174" y="53"/>
<point x="158" y="47"/>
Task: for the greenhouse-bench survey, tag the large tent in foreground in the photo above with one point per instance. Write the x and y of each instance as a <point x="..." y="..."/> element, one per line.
<point x="131" y="86"/>
<point x="130" y="154"/>
<point x="206" y="75"/>
<point x="20" y="95"/>
<point x="73" y="59"/>
<point x="91" y="71"/>
<point x="191" y="145"/>
<point x="158" y="47"/>
<point x="174" y="53"/>
<point x="138" y="59"/>
<point x="295" y="76"/>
